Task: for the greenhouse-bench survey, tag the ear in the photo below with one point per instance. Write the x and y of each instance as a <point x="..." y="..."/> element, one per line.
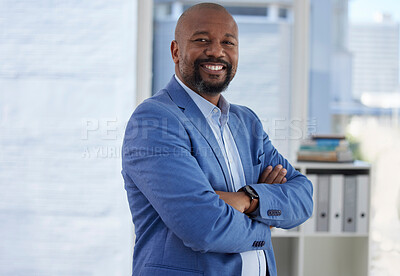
<point x="175" y="51"/>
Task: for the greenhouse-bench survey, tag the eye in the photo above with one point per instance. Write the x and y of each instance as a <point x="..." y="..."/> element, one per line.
<point x="229" y="43"/>
<point x="200" y="40"/>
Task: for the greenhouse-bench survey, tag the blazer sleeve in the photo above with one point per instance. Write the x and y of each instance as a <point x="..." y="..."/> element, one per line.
<point x="282" y="205"/>
<point x="157" y="158"/>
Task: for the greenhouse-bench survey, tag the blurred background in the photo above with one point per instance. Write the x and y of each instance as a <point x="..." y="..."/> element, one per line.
<point x="72" y="72"/>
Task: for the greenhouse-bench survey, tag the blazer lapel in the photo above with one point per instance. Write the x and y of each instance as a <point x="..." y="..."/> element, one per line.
<point x="193" y="113"/>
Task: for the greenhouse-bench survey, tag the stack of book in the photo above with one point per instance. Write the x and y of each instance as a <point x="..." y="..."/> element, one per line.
<point x="325" y="148"/>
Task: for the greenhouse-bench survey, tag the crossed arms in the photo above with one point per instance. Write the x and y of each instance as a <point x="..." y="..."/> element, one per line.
<point x="241" y="202"/>
<point x="165" y="180"/>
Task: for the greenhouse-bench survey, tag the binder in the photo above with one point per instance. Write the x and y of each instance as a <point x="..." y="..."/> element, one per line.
<point x="362" y="204"/>
<point x="336" y="203"/>
<point x="349" y="208"/>
<point x="310" y="225"/>
<point x="323" y="203"/>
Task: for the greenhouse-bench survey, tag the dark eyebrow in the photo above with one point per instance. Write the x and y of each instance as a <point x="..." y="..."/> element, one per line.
<point x="200" y="33"/>
<point x="230" y="35"/>
<point x="207" y="33"/>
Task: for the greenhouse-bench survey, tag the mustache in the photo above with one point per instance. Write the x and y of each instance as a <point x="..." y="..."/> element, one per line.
<point x="213" y="60"/>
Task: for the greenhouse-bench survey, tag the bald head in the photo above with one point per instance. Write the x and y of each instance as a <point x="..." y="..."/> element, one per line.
<point x="205" y="49"/>
<point x="187" y="16"/>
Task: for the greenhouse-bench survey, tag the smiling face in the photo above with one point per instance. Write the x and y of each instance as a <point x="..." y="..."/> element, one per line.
<point x="205" y="50"/>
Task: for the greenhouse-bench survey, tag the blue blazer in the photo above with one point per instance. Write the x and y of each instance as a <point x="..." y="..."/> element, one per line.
<point x="172" y="165"/>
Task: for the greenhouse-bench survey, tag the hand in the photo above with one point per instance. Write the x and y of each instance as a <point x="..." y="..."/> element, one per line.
<point x="273" y="176"/>
<point x="238" y="200"/>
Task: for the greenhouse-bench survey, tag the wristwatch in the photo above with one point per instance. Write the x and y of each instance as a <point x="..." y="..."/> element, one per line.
<point x="250" y="192"/>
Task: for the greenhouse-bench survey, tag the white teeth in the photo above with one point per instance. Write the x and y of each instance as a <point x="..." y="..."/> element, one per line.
<point x="213" y="67"/>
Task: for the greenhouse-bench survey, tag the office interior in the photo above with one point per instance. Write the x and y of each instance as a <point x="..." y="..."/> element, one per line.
<point x="72" y="73"/>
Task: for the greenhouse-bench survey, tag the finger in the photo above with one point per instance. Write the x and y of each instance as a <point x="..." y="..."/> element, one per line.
<point x="265" y="174"/>
<point x="271" y="177"/>
<point x="284" y="180"/>
<point x="280" y="176"/>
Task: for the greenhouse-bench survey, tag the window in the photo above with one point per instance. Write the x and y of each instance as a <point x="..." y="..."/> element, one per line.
<point x="354" y="90"/>
<point x="242" y="10"/>
<point x="283" y="13"/>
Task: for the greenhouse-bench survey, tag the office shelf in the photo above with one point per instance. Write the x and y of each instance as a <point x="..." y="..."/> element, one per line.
<point x="300" y="252"/>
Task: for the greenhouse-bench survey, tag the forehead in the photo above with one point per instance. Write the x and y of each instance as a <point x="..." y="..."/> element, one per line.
<point x="210" y="21"/>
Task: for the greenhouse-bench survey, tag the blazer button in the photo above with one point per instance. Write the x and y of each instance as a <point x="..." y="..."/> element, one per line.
<point x="273" y="213"/>
<point x="258" y="243"/>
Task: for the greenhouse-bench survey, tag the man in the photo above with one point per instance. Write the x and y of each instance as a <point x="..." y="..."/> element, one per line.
<point x="192" y="163"/>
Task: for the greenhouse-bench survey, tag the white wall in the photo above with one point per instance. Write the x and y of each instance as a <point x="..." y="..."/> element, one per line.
<point x="67" y="79"/>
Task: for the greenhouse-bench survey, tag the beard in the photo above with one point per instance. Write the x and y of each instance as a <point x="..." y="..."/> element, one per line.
<point x="195" y="80"/>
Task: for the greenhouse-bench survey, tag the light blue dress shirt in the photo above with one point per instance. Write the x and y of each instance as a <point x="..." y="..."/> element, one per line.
<point x="253" y="262"/>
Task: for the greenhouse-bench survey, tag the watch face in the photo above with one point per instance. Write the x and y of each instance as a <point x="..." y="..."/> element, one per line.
<point x="250" y="192"/>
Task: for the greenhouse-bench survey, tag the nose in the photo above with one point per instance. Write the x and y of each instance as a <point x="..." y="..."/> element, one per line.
<point x="215" y="49"/>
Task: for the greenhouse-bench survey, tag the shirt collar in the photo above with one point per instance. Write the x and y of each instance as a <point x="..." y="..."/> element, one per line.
<point x="206" y="107"/>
